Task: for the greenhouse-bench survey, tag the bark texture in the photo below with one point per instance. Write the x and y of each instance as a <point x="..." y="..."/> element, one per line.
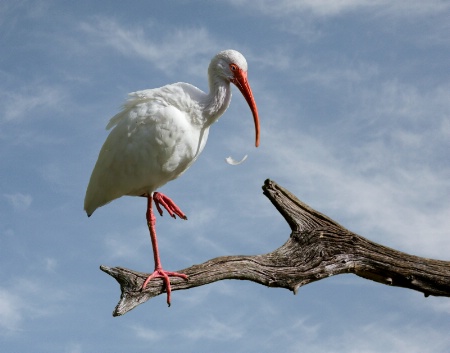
<point x="318" y="247"/>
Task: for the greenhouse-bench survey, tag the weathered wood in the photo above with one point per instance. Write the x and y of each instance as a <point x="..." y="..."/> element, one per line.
<point x="318" y="247"/>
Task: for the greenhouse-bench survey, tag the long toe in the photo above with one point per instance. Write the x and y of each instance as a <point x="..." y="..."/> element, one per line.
<point x="162" y="200"/>
<point x="160" y="273"/>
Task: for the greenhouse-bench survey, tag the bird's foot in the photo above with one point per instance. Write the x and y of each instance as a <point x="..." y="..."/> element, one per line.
<point x="160" y="273"/>
<point x="162" y="200"/>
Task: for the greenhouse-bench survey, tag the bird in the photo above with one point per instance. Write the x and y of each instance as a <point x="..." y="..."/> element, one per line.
<point x="157" y="136"/>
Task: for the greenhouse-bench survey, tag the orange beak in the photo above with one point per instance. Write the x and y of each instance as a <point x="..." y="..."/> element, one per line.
<point x="241" y="82"/>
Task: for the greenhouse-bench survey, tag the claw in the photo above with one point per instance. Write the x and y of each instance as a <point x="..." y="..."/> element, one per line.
<point x="173" y="210"/>
<point x="160" y="273"/>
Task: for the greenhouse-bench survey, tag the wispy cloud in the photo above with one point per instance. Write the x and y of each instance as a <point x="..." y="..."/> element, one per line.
<point x="328" y="8"/>
<point x="19" y="201"/>
<point x="148" y="334"/>
<point x="50" y="264"/>
<point x="337" y="75"/>
<point x="119" y="246"/>
<point x="380" y="335"/>
<point x="73" y="348"/>
<point x="438" y="304"/>
<point x="403" y="203"/>
<point x="410" y="338"/>
<point x="382" y="167"/>
<point x="13" y="13"/>
<point x="19" y="304"/>
<point x="211" y="328"/>
<point x="208" y="328"/>
<point x="175" y="47"/>
<point x="10" y="311"/>
<point x="24" y="103"/>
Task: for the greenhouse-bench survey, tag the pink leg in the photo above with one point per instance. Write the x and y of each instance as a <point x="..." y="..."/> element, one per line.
<point x="173" y="209"/>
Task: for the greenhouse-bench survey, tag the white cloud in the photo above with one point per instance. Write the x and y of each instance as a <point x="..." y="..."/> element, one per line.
<point x="336" y="75"/>
<point x="13" y="13"/>
<point x="119" y="246"/>
<point x="24" y="103"/>
<point x="328" y="8"/>
<point x="57" y="175"/>
<point x="206" y="328"/>
<point x="203" y="294"/>
<point x="277" y="58"/>
<point x="50" y="264"/>
<point x="26" y="299"/>
<point x="10" y="311"/>
<point x="384" y="166"/>
<point x="407" y="338"/>
<point x="401" y="202"/>
<point x="211" y="328"/>
<point x="437" y="304"/>
<point x="19" y="201"/>
<point x="166" y="51"/>
<point x="147" y="334"/>
<point x="384" y="334"/>
<point x="73" y="348"/>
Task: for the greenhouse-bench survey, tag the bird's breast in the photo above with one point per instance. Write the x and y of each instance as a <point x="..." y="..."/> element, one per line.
<point x="179" y="141"/>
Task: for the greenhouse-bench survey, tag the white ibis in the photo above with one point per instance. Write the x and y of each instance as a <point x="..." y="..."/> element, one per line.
<point x="157" y="136"/>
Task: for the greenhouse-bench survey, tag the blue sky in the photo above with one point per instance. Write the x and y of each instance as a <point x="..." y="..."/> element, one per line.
<point x="354" y="104"/>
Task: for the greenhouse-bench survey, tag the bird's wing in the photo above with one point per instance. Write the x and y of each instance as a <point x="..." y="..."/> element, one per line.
<point x="152" y="142"/>
<point x="134" y="98"/>
<point x="181" y="95"/>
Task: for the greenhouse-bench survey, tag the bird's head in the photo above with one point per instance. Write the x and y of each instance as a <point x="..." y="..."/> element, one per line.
<point x="232" y="66"/>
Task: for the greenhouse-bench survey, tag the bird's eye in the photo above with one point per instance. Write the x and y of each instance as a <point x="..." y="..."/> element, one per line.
<point x="233" y="67"/>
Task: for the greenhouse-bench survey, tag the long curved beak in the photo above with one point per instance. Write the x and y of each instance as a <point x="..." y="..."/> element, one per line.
<point x="241" y="82"/>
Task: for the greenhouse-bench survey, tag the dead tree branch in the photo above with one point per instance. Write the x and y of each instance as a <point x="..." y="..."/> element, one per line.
<point x="318" y="247"/>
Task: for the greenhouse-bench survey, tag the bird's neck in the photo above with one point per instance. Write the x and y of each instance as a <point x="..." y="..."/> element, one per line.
<point x="217" y="100"/>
